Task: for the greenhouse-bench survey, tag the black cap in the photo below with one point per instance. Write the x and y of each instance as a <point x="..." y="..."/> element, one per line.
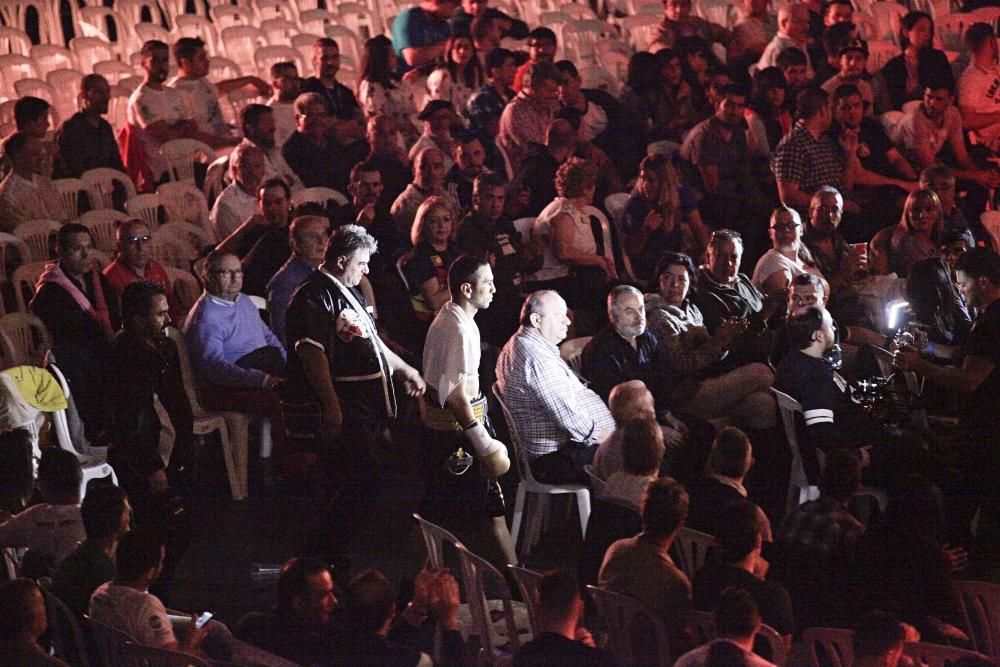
<point x="854" y="45"/>
<point x="433" y="107"/>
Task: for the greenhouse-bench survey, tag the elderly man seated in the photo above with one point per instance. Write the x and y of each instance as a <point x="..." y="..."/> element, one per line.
<point x="238" y="201"/>
<point x="560" y="420"/>
<point x="237" y="359"/>
<point x="132" y="263"/>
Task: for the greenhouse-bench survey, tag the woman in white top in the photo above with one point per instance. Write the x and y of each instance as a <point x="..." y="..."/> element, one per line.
<point x="642" y="453"/>
<point x="381" y="92"/>
<point x="459" y="77"/>
<point x="788" y="256"/>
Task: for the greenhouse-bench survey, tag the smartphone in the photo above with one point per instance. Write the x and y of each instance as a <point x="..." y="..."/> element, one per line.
<point x="203" y="619"/>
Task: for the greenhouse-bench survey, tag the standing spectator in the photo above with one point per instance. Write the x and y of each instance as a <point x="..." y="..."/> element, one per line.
<point x="793" y="32"/>
<point x="132" y="263"/>
<point x="420" y="33"/>
<point x="22" y="622"/>
<point x="201" y="96"/>
<point x="85" y="140"/>
<point x="78" y="307"/>
<point x="287" y="85"/>
<point x="31" y="116"/>
<point x="307" y="236"/>
<point x="381" y="92"/>
<point x="979" y="87"/>
<point x="904" y="77"/>
<point x="25" y="194"/>
<point x="524" y="120"/>
<point x="238" y="201"/>
<point x="309" y="151"/>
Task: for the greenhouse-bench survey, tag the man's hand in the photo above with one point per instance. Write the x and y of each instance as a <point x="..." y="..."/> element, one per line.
<point x="412" y="382"/>
<point x="653" y="221"/>
<point x="671" y="436"/>
<point x="333" y="420"/>
<point x="848" y="140"/>
<point x="193" y="635"/>
<point x="157" y="481"/>
<point x="907" y="359"/>
<point x="730" y="329"/>
<point x="583" y="636"/>
<point x="673" y="422"/>
<point x="366" y="215"/>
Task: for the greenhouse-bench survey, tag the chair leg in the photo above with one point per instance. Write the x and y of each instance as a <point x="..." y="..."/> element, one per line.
<point x="265" y="437"/>
<point x="583" y="508"/>
<point x="522" y="491"/>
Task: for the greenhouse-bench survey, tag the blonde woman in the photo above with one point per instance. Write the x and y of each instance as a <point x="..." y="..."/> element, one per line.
<point x="433" y="252"/>
<point x="917" y="236"/>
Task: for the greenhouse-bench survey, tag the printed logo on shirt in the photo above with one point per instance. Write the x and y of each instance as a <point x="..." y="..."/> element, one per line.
<point x="349" y="326"/>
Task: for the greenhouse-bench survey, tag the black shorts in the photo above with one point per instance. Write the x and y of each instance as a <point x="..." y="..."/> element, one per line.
<point x="449" y="497"/>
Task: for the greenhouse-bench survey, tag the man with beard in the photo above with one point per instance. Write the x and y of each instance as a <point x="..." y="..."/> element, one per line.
<point x="261" y="242"/>
<point x="370" y="209"/>
<point x="85" y="140"/>
<point x="259" y="129"/>
<point x="456" y="416"/>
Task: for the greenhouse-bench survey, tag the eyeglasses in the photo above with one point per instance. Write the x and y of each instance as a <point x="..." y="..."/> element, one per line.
<point x="229" y="273"/>
<point x="138" y="240"/>
<point x="786" y="227"/>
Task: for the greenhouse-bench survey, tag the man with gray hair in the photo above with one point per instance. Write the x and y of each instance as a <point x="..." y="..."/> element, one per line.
<point x="307" y="236"/>
<point x="238" y="202"/>
<point x="793" y="32"/>
<point x="526" y="118"/>
<point x="429" y="172"/>
<point x="560" y="421"/>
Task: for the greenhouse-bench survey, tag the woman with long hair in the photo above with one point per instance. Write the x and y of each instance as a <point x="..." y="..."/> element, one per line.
<point x="903" y="78"/>
<point x="459" y="77"/>
<point x="434" y="250"/>
<point x="766" y="115"/>
<point x="380" y="91"/>
<point x="917" y="236"/>
<point x="661" y="214"/>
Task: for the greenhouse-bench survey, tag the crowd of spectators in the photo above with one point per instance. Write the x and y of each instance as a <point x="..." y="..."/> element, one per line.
<point x="646" y="265"/>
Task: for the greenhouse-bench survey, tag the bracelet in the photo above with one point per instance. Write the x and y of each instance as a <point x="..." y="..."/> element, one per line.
<point x="471" y="425"/>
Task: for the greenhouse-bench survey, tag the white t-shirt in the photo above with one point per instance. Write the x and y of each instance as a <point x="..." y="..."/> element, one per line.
<point x="139" y="614"/>
<point x="772" y="262"/>
<point x="979" y="92"/>
<point x="231" y="209"/>
<point x="201" y="98"/>
<point x="916" y="129"/>
<point x="284" y="121"/>
<point x="147" y="106"/>
<point x="699" y="656"/>
<point x="54" y="530"/>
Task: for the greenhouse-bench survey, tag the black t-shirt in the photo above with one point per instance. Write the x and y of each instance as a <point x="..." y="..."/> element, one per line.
<point x="873" y="147"/>
<point x="982" y="416"/>
<point x="772" y="599"/>
<point x="553" y="650"/>
<point x="480" y="237"/>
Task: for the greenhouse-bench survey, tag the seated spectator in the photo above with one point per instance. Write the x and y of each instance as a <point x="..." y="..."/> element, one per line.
<point x="487" y="103"/>
<point x="132" y="263"/>
<point x="310" y="152"/>
<point x="628" y="401"/>
<point x="827" y="56"/>
<point x="52" y="528"/>
<point x="560" y="420"/>
<point x="533" y="186"/>
<point x="369" y="207"/>
<point x="940" y="179"/>
<point x="678" y="22"/>
<point x="788" y="256"/>
<point x="459" y="76"/>
<point x="879" y="640"/>
<point x="852" y="60"/>
<point x="723" y="292"/>
<point x="437" y="117"/>
<point x="752" y="33"/>
<point x="738" y="543"/>
<point x="370" y="608"/>
<point x="385" y="153"/>
<point x="420" y="33"/>
<point x="238" y="202"/>
<point x="259" y="129"/>
<point x="342" y="111"/>
<point x="722" y="484"/>
<point x="157" y="114"/>
<point x="716" y="152"/>
<point x="767" y="116"/>
<point x="906" y="76"/>
<point x="741" y="394"/>
<point x="428" y="180"/>
<point x="737" y="622"/>
<point x="85" y="140"/>
<point x="561" y="640"/>
<point x="641" y="568"/>
<point x="674" y="110"/>
<point x="953" y="246"/>
<point x="22" y="622"/>
<point x="201" y="96"/>
<point x="572" y="261"/>
<point x="381" y="92"/>
<point x="426" y="271"/>
<point x="917" y="236"/>
<point x="840" y="265"/>
<point x="524" y="120"/>
<point x="541" y="49"/>
<point x="470" y="10"/>
<point x="938" y="305"/>
<point x="301" y="625"/>
<point x="237" y="359"/>
<point x="125" y="604"/>
<point x="981" y="110"/>
<point x="307" y="236"/>
<point x="810" y="157"/>
<point x="261" y="239"/>
<point x="150" y="408"/>
<point x="642" y="454"/>
<point x="912" y="540"/>
<point x="287" y="85"/>
<point x="602" y="119"/>
<point x="794" y="64"/>
<point x="24" y="194"/>
<point x="106" y="514"/>
<point x="661" y="215"/>
<point x="470" y="160"/>
<point x="793" y="32"/>
<point x="485" y="232"/>
<point x="929" y="127"/>
<point x="78" y="307"/>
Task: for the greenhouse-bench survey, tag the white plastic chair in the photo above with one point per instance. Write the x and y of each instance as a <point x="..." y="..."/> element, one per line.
<point x="66" y="84"/>
<point x="691" y="549"/>
<point x="14" y="67"/>
<point x="936" y="655"/>
<point x="101" y="186"/>
<point x="25" y="278"/>
<point x="193" y="236"/>
<point x="347" y="40"/>
<point x="981" y="603"/>
<point x="631" y="626"/>
<point x="103" y="225"/>
<point x="498" y="641"/>
<point x="799" y="488"/>
<point x="35" y="88"/>
<point x="240" y="42"/>
<point x="221" y="69"/>
<point x="269" y="10"/>
<point x="185" y="286"/>
<point x="615" y="205"/>
<point x="303" y="43"/>
<point x="191" y="25"/>
<point x="145" y="32"/>
<point x="50" y="57"/>
<point x="146" y="207"/>
<point x="641" y="30"/>
<point x="39" y="236"/>
<point x="318" y="195"/>
<point x="572" y="352"/>
<point x="69" y="190"/>
<point x="13" y="14"/>
<point x="314" y="21"/>
<point x="829" y="646"/>
<point x="181" y="154"/>
<point x="279" y="31"/>
<point x="216" y="180"/>
<point x="266" y="56"/>
<point x="26" y="341"/>
<point x="529" y="484"/>
<point x="185" y="203"/>
<point x="887" y="16"/>
<point x="951" y="29"/>
<point x="168" y="251"/>
<point x="114" y="70"/>
<point x="92" y="50"/>
<point x="362" y="21"/>
<point x="13" y="40"/>
<point x="435" y="537"/>
<point x="227" y="16"/>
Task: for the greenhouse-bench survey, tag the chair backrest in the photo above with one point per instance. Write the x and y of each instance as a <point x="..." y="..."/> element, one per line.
<point x="266" y="56"/>
<point x="216" y="180"/>
<point x="572" y="352"/>
<point x="25" y="278"/>
<point x="13" y="253"/>
<point x="168" y="250"/>
<point x="103" y="224"/>
<point x="789" y="409"/>
<point x="187" y="371"/>
<point x="24" y="339"/>
<point x="185" y="203"/>
<point x="435" y="537"/>
<point x="702" y="624"/>
<point x="190" y="25"/>
<point x="146" y="207"/>
<point x="240" y="42"/>
<point x="524" y="470"/>
<point x="690" y="550"/>
<point x="14" y="66"/>
<point x="195" y="237"/>
<point x="39" y="236"/>
<point x="225" y="16"/>
<point x="779" y="655"/>
<point x="68" y="642"/>
<point x="936" y="655"/>
<point x="66" y="83"/>
<point x="528" y="582"/>
<point x="185" y="287"/>
<point x="319" y="195"/>
<point x="278" y="30"/>
<point x="69" y="190"/>
<point x="479" y="575"/>
<point x="181" y="154"/>
<point x="597" y="485"/>
<point x="829" y="646"/>
<point x="151" y="656"/>
<point x="108" y="641"/>
<point x="314" y="21"/>
<point x="101" y="184"/>
<point x="115" y="70"/>
<point x="636" y="635"/>
<point x="13" y="40"/>
<point x="615" y="204"/>
<point x="92" y="50"/>
<point x="981" y="602"/>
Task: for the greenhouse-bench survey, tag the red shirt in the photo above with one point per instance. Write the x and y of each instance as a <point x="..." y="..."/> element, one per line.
<point x="119" y="275"/>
